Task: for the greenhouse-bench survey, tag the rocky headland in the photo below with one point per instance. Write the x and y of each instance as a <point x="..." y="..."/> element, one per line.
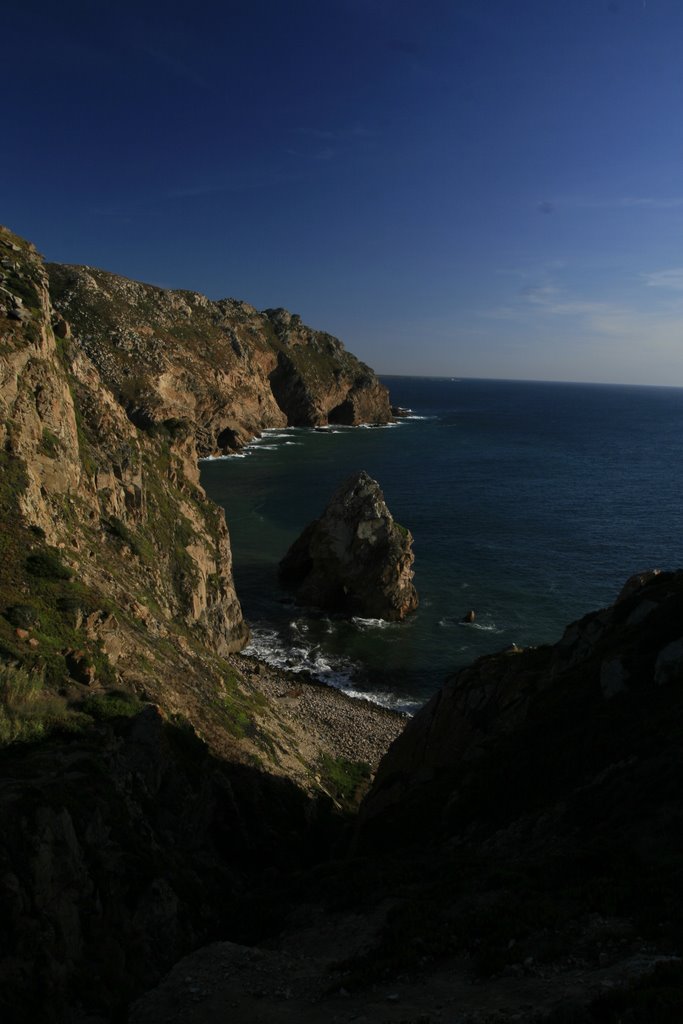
<point x="519" y="854"/>
<point x="355" y="559"/>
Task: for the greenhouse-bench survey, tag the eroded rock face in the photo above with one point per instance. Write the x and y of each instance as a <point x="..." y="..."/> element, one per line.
<point x="355" y="559"/>
<point x="224" y="369"/>
<point x="119" y="852"/>
<point x="84" y="479"/>
<point x="517" y="732"/>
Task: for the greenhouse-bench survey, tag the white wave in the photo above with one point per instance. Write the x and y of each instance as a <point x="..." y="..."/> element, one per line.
<point x="362" y="623"/>
<point x="222" y="458"/>
<point x="490" y="627"/>
<point x="270" y="647"/>
<point x="386" y="700"/>
<point x="267" y="645"/>
<point x="296" y="444"/>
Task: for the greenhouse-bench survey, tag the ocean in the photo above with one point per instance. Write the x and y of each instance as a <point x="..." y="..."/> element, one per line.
<point x="529" y="503"/>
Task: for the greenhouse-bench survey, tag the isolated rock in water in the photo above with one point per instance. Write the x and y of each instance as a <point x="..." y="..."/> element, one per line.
<point x="355" y="558"/>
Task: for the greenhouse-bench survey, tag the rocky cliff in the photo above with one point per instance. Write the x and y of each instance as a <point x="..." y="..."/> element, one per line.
<point x="110" y="390"/>
<point x="144" y="754"/>
<point x="220" y="369"/>
<point x="159" y="791"/>
<point x="108" y="537"/>
<point x="518" y="858"/>
<point x="570" y="722"/>
<point x="355" y="559"/>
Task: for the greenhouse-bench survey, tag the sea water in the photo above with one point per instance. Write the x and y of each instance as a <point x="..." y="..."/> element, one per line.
<point x="529" y="503"/>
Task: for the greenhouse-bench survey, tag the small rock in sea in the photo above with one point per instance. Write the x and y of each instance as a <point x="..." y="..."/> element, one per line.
<point x="469" y="616"/>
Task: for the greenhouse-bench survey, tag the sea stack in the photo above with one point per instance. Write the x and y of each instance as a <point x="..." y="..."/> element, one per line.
<point x="355" y="559"/>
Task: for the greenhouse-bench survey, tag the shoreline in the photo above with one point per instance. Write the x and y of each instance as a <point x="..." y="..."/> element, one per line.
<point x="335" y="723"/>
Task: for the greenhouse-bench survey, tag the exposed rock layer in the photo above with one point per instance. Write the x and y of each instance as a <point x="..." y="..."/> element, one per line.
<point x="553" y="730"/>
<point x="526" y="829"/>
<point x="221" y="368"/>
<point x="81" y="478"/>
<point x="126" y="841"/>
<point x="355" y="558"/>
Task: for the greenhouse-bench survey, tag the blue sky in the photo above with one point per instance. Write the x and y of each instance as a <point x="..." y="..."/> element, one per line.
<point x="477" y="188"/>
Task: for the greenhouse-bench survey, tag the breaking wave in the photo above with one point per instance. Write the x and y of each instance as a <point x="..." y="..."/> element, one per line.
<point x="299" y="655"/>
<point x="362" y="623"/>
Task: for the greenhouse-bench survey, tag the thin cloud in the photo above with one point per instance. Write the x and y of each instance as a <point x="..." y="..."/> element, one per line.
<point x="540" y="294"/>
<point x="548" y="206"/>
<point x="672" y="278"/>
<point x="548" y="300"/>
<point x="671" y="203"/>
<point x="244" y="184"/>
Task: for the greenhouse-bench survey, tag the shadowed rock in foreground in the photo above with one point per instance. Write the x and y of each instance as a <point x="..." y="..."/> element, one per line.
<point x="355" y="558"/>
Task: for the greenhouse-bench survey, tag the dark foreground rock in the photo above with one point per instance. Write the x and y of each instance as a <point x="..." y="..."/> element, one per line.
<point x="355" y="559"/>
<point x="518" y="859"/>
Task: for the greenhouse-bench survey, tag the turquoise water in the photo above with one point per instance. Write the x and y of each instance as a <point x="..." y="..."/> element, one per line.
<point x="530" y="503"/>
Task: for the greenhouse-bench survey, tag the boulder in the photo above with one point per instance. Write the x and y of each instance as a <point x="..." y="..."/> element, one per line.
<point x="355" y="558"/>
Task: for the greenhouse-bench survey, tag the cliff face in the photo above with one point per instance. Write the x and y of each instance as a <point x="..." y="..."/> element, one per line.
<point x="118" y="510"/>
<point x="519" y="856"/>
<point x="152" y="768"/>
<point x="133" y="844"/>
<point x="550" y="779"/>
<point x="110" y="391"/>
<point x="222" y="368"/>
<point x="153" y="791"/>
<point x="543" y="724"/>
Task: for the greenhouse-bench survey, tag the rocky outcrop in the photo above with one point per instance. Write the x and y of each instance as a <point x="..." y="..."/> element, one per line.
<point x="524" y="730"/>
<point x="110" y="391"/>
<point x="355" y="559"/>
<point x="123" y="849"/>
<point x="221" y="370"/>
<point x="119" y="507"/>
<point x="150" y="770"/>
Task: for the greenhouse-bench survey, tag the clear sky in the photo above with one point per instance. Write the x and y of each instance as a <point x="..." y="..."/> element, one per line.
<point x="458" y="187"/>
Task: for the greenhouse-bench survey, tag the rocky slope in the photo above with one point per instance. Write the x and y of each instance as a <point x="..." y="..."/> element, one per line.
<point x="151" y="765"/>
<point x="220" y="369"/>
<point x="123" y="564"/>
<point x="160" y="791"/>
<point x="355" y="558"/>
<point x="519" y="856"/>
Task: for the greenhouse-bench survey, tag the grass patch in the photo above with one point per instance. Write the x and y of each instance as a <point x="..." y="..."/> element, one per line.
<point x="116" y="704"/>
<point x="47" y="565"/>
<point x="29" y="711"/>
<point x="140" y="546"/>
<point x="346" y="780"/>
<point x="49" y="444"/>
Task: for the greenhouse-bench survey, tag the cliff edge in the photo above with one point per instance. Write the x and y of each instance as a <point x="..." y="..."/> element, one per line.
<point x="222" y="369"/>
